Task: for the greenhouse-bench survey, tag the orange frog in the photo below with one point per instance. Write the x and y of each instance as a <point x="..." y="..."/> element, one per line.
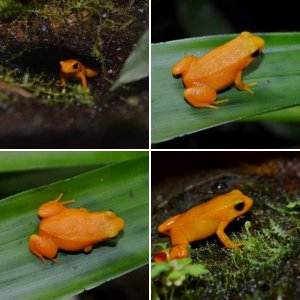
<point x="71" y="229"/>
<point x="202" y="221"/>
<point x="74" y="69"/>
<point x="205" y="76"/>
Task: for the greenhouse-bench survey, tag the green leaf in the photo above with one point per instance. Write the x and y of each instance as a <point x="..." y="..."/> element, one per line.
<point x="121" y="187"/>
<point x="293" y="204"/>
<point x="158" y="268"/>
<point x="15" y="182"/>
<point x="195" y="270"/>
<point x="276" y="72"/>
<point x="24" y="160"/>
<point x="283" y="115"/>
<point x="137" y="64"/>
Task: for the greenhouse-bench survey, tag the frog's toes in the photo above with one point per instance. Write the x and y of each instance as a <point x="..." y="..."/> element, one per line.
<point x="55" y="260"/>
<point x="251" y="84"/>
<point x="179" y="251"/>
<point x="245" y="87"/>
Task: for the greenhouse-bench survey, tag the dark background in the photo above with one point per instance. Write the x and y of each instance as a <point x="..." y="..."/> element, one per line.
<point x="179" y="19"/>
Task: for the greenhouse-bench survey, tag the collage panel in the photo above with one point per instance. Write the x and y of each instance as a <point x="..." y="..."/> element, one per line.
<point x="225" y="225"/>
<point x="74" y="225"/>
<point x="219" y="69"/>
<point x="74" y="74"/>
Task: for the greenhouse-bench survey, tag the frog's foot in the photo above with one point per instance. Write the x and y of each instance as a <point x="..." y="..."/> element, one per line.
<point x="43" y="247"/>
<point x="245" y="87"/>
<point x="239" y="84"/>
<point x="233" y="245"/>
<point x="201" y="96"/>
<point x="179" y="251"/>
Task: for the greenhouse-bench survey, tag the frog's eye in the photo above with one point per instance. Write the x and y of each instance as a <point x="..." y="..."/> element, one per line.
<point x="239" y="206"/>
<point x="75" y="66"/>
<point x="255" y="53"/>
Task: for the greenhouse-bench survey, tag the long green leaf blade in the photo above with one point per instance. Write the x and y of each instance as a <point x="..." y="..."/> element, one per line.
<point x="122" y="187"/>
<point x="276" y="72"/>
<point x="11" y="161"/>
<point x="137" y="65"/>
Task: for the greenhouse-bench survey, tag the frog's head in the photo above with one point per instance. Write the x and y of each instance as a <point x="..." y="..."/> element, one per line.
<point x="112" y="223"/>
<point x="235" y="204"/>
<point x="70" y="66"/>
<point x="254" y="44"/>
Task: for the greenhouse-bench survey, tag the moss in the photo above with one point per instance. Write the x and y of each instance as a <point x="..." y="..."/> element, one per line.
<point x="10" y="9"/>
<point x="45" y="92"/>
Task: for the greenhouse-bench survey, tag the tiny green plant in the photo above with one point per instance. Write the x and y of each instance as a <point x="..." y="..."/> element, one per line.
<point x="173" y="273"/>
<point x="293" y="204"/>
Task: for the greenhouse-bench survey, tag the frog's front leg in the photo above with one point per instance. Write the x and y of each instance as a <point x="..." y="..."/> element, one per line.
<point x="43" y="247"/>
<point x="202" y="96"/>
<point x="224" y="238"/>
<point x="83" y="79"/>
<point x="63" y="79"/>
<point x="239" y="84"/>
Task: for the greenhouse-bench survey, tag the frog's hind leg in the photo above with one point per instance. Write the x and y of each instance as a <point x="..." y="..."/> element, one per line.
<point x="182" y="65"/>
<point x="43" y="247"/>
<point x="165" y="227"/>
<point x="202" y="96"/>
<point x="90" y="72"/>
<point x="239" y="84"/>
<point x="180" y="244"/>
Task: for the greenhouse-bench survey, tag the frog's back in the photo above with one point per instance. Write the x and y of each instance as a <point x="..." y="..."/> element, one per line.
<point x="74" y="229"/>
<point x="218" y="68"/>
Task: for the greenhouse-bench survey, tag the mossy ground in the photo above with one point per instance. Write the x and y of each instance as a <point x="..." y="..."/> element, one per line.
<point x="35" y="35"/>
<point x="268" y="267"/>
